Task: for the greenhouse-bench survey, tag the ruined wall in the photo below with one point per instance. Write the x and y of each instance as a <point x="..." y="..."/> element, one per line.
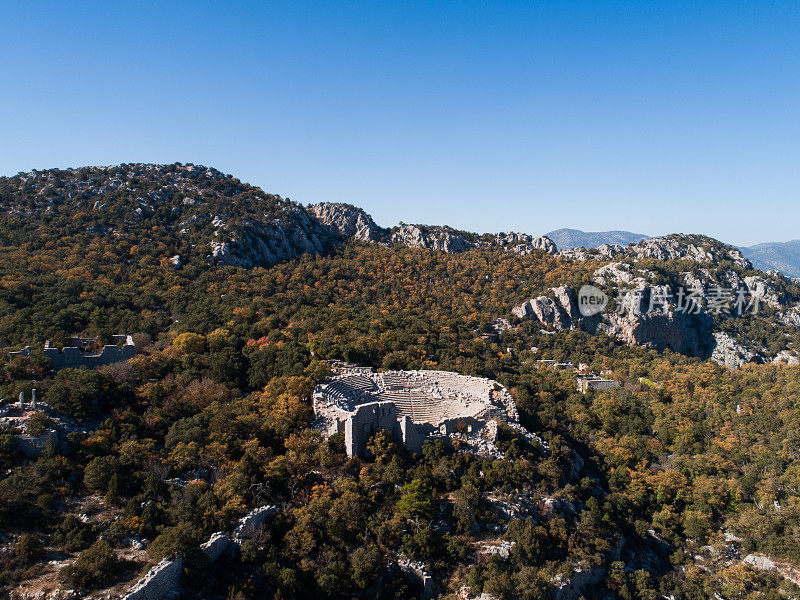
<point x="163" y="581"/>
<point x="410" y="435"/>
<point x="366" y="420"/>
<point x="216" y="546"/>
<point x="31" y="446"/>
<point x="160" y="582"/>
<point x="73" y="356"/>
<point x="415" y="573"/>
<point x="252" y="522"/>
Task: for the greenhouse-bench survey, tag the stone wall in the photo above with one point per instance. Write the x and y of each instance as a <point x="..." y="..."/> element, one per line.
<point x="415" y="573"/>
<point x="252" y="522"/>
<point x="163" y="580"/>
<point x="369" y="418"/>
<point x="217" y="545"/>
<point x="160" y="582"/>
<point x="31" y="446"/>
<point x="73" y="356"/>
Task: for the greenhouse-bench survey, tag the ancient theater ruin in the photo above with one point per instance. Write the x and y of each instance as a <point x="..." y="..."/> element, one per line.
<point x="412" y="405"/>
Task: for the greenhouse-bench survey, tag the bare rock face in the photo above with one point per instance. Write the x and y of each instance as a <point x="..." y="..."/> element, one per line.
<point x="679" y="332"/>
<point x="348" y="221"/>
<point x="546" y="310"/>
<point x="524" y="244"/>
<point x="731" y="354"/>
<point x="602" y="252"/>
<point x="619" y="274"/>
<point x="675" y="247"/>
<point x="784" y="357"/>
<point x="688" y="334"/>
<point x="566" y="298"/>
<point x="672" y="247"/>
<point x="790" y="316"/>
<point x="758" y="286"/>
<point x="543" y="242"/>
<point x="259" y="244"/>
<point x="433" y="238"/>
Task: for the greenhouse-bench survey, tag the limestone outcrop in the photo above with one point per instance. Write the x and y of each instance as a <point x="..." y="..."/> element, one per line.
<point x="434" y="238"/>
<point x="791" y="316"/>
<point x="684" y="333"/>
<point x="256" y="243"/>
<point x="784" y="357"/>
<point x="680" y="332"/>
<point x="696" y="248"/>
<point x="160" y="583"/>
<point x="730" y="353"/>
<point x="524" y="244"/>
<point x="546" y="310"/>
<point x="348" y="221"/>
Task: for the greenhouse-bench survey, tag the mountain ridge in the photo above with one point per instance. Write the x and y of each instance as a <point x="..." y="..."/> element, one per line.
<point x="194" y="218"/>
<point x="779" y="256"/>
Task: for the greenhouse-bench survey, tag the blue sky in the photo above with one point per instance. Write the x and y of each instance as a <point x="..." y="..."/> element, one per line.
<point x="654" y="117"/>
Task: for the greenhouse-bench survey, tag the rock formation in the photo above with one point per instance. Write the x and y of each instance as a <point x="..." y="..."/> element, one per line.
<point x="256" y="243"/>
<point x="348" y="221"/>
<point x="730" y="353"/>
<point x="524" y="244"/>
<point x="696" y="248"/>
<point x="434" y="238"/>
<point x="546" y="310"/>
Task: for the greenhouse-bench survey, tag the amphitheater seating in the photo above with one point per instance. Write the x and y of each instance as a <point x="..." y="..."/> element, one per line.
<point x="424" y="396"/>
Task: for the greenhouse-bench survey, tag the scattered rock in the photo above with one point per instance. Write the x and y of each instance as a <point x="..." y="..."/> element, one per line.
<point x="730" y="353"/>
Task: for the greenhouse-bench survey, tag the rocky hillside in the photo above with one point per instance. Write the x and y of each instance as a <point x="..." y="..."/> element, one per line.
<point x="205" y="216"/>
<point x="196" y="217"/>
<point x="689" y="294"/>
<point x="350" y="222"/>
<point x="199" y="213"/>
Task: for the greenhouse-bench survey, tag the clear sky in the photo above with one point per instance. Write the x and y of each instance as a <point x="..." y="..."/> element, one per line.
<point x="654" y="117"/>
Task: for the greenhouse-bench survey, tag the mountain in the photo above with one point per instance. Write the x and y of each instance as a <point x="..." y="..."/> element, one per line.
<point x="575" y="238"/>
<point x="195" y="219"/>
<point x="652" y="273"/>
<point x="780" y="256"/>
<point x="632" y="468"/>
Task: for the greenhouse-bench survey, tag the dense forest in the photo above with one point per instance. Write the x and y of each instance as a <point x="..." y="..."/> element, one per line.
<point x="656" y="489"/>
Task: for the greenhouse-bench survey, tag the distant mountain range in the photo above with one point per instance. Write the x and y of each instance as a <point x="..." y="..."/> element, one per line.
<point x="575" y="238"/>
<point x="782" y="256"/>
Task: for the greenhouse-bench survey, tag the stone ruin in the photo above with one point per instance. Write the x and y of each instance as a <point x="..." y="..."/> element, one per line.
<point x="162" y="582"/>
<point x="412" y="405"/>
<point x="78" y="354"/>
<point x="16" y="416"/>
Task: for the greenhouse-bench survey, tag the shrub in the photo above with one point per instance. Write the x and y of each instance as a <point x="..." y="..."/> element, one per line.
<point x="98" y="473"/>
<point x="94" y="568"/>
<point x="28" y="549"/>
<point x="80" y="392"/>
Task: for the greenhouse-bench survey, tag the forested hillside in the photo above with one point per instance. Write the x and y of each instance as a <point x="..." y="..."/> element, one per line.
<point x="660" y="488"/>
